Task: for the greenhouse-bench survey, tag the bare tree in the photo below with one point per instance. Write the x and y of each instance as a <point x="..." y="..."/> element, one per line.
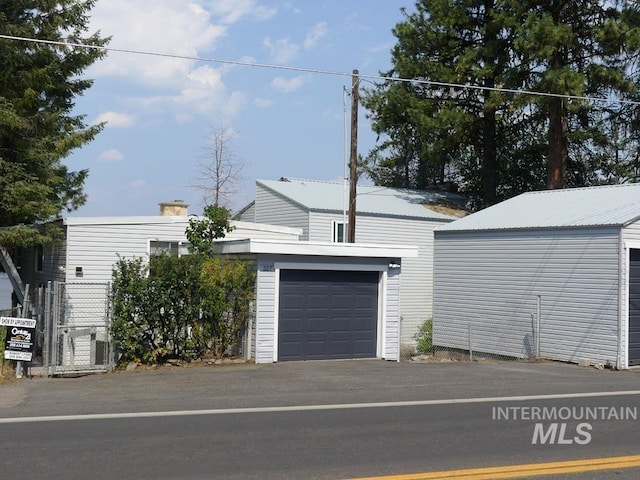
<point x="219" y="169"/>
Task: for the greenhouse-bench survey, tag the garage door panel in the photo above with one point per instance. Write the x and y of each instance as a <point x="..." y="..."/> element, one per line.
<point x="336" y="314"/>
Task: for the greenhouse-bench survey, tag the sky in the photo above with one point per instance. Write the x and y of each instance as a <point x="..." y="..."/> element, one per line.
<point x="160" y="111"/>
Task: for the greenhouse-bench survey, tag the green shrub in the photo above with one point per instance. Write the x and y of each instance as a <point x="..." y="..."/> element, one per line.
<point x="424" y="337"/>
<point x="179" y="307"/>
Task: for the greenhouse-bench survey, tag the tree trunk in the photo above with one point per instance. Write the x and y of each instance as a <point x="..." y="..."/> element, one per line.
<point x="489" y="150"/>
<point x="558" y="148"/>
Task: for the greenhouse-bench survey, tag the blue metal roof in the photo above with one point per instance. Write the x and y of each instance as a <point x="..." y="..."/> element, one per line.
<point x="332" y="196"/>
<point x="611" y="205"/>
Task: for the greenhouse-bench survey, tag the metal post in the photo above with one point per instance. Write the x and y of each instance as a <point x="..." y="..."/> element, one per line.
<point x="470" y="344"/>
<point x="538" y="312"/>
<point x="46" y="348"/>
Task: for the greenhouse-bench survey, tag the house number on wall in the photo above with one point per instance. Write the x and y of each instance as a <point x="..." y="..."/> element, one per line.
<point x="267" y="267"/>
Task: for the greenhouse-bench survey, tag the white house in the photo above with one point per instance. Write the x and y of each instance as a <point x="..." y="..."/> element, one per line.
<point x="553" y="273"/>
<point x="383" y="216"/>
<point x="84" y="262"/>
<point x="315" y="300"/>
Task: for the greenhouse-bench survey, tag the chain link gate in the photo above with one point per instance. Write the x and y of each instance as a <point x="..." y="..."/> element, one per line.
<point x="76" y="320"/>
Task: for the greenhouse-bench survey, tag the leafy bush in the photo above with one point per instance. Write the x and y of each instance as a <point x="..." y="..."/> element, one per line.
<point x="424" y="337"/>
<point x="227" y="290"/>
<point x="183" y="307"/>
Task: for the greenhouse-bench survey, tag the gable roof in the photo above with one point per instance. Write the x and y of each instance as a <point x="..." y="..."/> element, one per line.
<point x="611" y="205"/>
<point x="397" y="202"/>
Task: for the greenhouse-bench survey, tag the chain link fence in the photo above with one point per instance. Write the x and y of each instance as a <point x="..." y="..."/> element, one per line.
<point x="453" y="339"/>
<point x="73" y="328"/>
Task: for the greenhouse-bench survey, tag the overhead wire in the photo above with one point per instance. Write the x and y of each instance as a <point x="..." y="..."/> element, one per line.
<point x="318" y="71"/>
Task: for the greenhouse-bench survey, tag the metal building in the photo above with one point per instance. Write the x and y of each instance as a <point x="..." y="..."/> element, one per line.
<point x="554" y="274"/>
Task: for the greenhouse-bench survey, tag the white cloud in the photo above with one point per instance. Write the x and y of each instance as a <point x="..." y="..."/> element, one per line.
<point x="263" y="102"/>
<point x="232" y="10"/>
<point x="282" y="51"/>
<point x="153" y="26"/>
<point x="288" y="85"/>
<point x="203" y="92"/>
<point x="112" y="155"/>
<point x="115" y="119"/>
<point x="318" y="31"/>
<point x="138" y="183"/>
<point x="188" y="28"/>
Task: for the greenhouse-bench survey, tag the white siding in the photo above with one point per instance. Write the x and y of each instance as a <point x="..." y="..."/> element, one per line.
<point x="491" y="281"/>
<point x="266" y="304"/>
<point x="275" y="210"/>
<point x="248" y="215"/>
<point x="391" y="346"/>
<point x="96" y="247"/>
<point x="417" y="273"/>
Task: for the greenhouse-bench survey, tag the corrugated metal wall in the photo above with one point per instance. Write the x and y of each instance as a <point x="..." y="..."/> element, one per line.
<point x="490" y="282"/>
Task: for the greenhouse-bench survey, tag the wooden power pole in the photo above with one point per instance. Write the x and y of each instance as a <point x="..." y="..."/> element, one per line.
<point x="353" y="158"/>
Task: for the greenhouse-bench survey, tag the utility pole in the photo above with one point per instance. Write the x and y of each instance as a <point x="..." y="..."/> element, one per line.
<point x="353" y="159"/>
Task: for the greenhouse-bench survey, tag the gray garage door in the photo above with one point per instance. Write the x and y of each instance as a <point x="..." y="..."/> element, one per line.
<point x="327" y="315"/>
<point x="634" y="307"/>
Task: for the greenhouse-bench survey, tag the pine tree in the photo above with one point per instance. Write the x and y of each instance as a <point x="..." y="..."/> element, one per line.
<point x="38" y="129"/>
<point x="441" y="133"/>
<point x="494" y="144"/>
<point x="578" y="48"/>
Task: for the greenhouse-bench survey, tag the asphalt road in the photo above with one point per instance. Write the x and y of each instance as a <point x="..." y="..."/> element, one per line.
<point x="312" y="420"/>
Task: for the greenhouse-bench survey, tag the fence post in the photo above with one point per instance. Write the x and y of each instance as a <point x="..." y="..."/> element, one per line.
<point x="538" y="313"/>
<point x="46" y="347"/>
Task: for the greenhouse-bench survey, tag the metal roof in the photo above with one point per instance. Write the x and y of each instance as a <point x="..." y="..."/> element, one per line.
<point x="332" y="196"/>
<point x="611" y="205"/>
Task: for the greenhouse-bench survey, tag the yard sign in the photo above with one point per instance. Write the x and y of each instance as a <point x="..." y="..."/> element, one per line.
<point x="19" y="340"/>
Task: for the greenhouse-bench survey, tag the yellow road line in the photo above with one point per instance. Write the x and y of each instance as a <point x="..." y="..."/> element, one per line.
<point x="521" y="471"/>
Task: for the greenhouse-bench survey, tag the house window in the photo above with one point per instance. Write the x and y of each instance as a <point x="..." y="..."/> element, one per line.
<point x="39" y="258"/>
<point x="339" y="231"/>
<point x="173" y="248"/>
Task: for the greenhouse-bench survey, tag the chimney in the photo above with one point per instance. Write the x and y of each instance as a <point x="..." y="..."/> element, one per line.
<point x="176" y="208"/>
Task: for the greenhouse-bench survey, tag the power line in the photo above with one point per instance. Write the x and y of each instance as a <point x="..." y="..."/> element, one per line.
<point x="321" y="71"/>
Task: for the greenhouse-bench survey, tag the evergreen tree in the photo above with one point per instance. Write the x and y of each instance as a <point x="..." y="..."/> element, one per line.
<point x="496" y="145"/>
<point x="38" y="129"/>
<point x="578" y="48"/>
<point x="438" y="133"/>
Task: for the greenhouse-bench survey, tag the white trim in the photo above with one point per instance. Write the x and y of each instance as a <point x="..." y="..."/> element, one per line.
<point x="334" y="231"/>
<point x="294" y="247"/>
<point x="146" y="220"/>
<point x="162" y="219"/>
<point x="276" y="313"/>
<point x="382" y="315"/>
<point x="359" y="267"/>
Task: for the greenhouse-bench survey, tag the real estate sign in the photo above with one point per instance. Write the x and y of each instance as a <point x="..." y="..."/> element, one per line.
<point x="19" y="339"/>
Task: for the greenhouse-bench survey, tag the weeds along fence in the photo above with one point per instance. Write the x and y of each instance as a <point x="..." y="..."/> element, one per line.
<point x="451" y="338"/>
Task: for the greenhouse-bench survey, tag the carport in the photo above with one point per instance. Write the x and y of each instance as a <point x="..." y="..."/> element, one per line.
<point x="318" y="301"/>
